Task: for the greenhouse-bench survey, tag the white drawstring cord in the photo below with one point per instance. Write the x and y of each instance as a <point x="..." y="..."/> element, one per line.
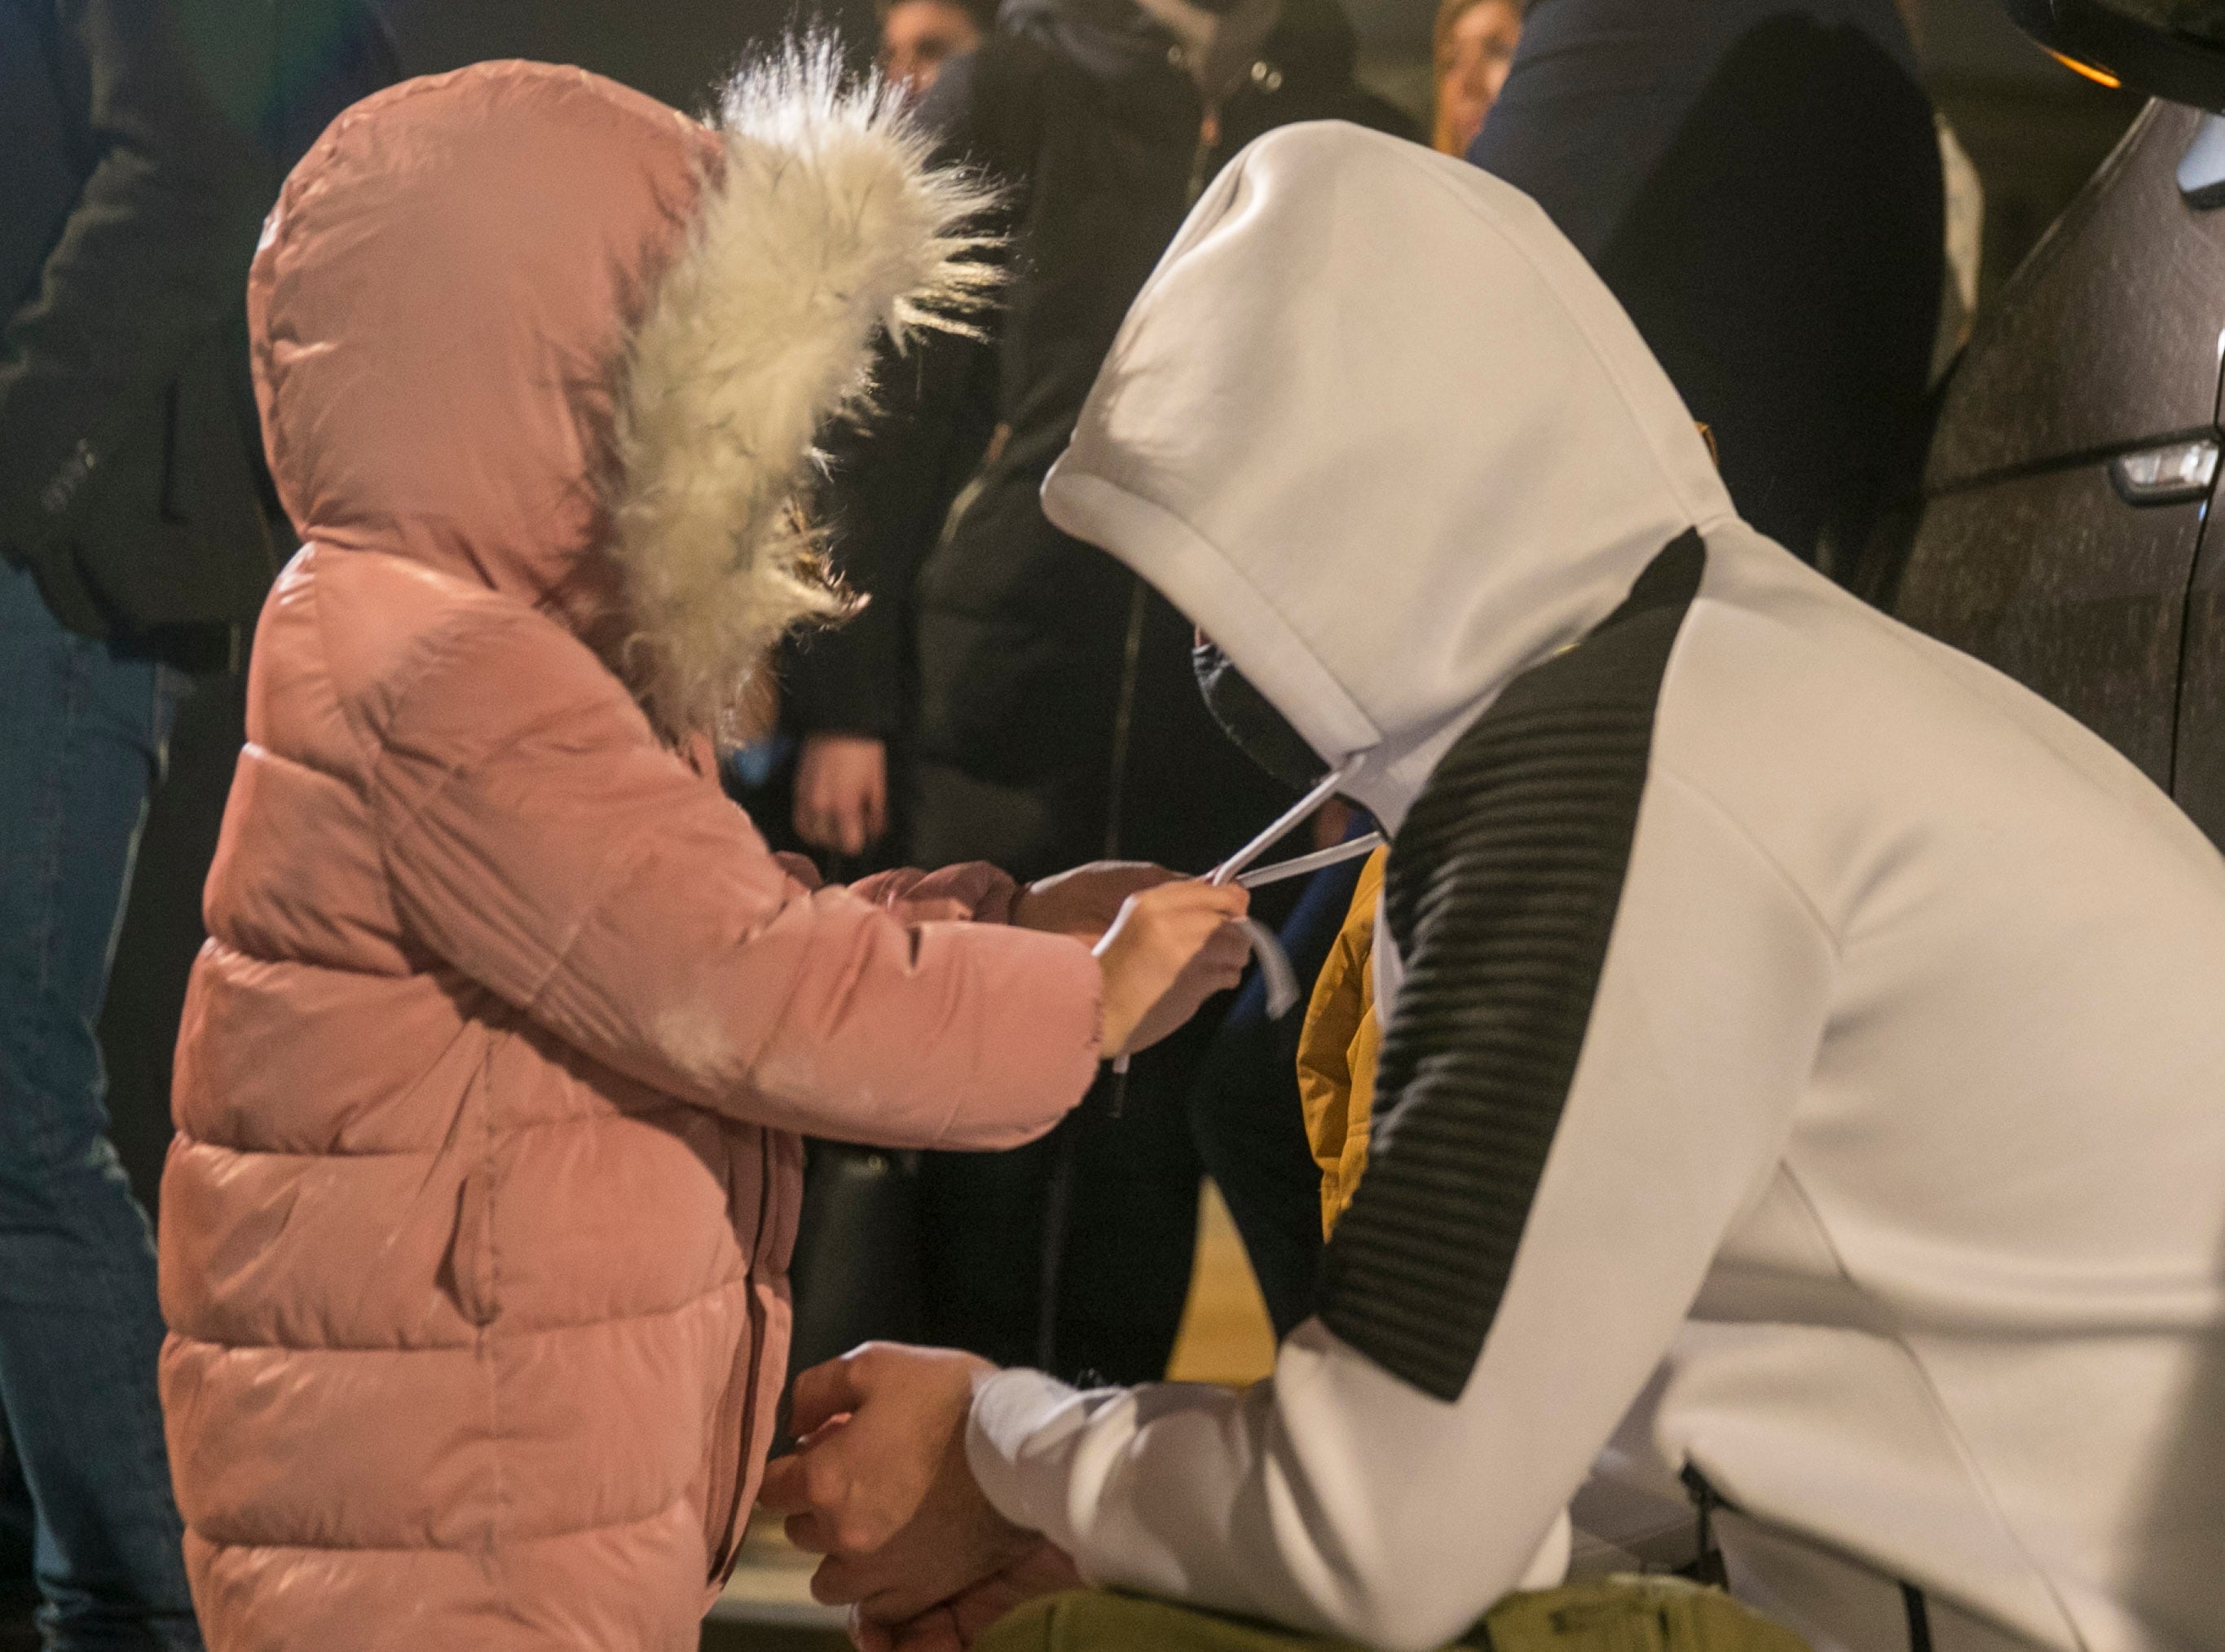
<point x="1282" y="981"/>
<point x="1274" y="963"/>
<point x="1285" y="823"/>
<point x="1274" y="969"/>
<point x="1320" y="860"/>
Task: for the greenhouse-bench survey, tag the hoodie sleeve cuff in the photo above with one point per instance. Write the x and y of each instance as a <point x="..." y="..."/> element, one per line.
<point x="1011" y="1412"/>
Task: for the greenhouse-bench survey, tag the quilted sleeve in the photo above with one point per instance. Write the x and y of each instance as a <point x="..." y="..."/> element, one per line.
<point x="541" y="841"/>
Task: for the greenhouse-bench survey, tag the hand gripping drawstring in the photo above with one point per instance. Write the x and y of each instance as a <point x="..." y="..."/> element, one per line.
<point x="1266" y="945"/>
<point x="1275" y="971"/>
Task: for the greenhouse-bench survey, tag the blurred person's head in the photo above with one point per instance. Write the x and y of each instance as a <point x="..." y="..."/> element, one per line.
<point x="1472" y="48"/>
<point x="918" y="37"/>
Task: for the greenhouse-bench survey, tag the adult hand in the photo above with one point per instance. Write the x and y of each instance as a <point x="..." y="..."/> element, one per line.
<point x="842" y="792"/>
<point x="1171" y="948"/>
<point x="1084" y="902"/>
<point x="880" y="1485"/>
<point x="951" y="1626"/>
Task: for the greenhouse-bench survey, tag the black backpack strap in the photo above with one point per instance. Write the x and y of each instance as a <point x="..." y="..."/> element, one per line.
<point x="1707" y="1566"/>
<point x="1919" y="1617"/>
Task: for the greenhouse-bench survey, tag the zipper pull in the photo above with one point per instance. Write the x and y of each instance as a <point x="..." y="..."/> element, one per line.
<point x="1707" y="1566"/>
<point x="1201" y="160"/>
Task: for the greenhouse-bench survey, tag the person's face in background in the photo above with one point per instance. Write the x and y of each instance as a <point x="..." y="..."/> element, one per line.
<point x="1473" y="56"/>
<point x="917" y="36"/>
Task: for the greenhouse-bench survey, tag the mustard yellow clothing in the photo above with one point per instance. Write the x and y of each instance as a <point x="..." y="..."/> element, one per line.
<point x="1337" y="1050"/>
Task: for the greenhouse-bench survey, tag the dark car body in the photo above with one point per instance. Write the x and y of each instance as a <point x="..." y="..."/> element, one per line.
<point x="2064" y="532"/>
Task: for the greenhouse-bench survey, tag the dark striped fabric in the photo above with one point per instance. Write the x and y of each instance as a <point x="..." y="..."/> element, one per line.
<point x="1501" y="892"/>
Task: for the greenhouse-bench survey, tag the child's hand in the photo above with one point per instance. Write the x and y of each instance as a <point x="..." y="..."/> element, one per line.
<point x="1084" y="902"/>
<point x="1171" y="948"/>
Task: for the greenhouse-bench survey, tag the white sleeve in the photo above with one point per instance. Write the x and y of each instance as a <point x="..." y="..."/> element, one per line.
<point x="1339" y="1497"/>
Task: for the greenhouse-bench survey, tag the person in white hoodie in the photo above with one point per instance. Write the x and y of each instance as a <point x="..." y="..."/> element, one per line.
<point x="1805" y="1067"/>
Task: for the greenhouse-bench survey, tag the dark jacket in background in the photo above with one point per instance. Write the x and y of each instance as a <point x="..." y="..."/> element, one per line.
<point x="1759" y="182"/>
<point x="141" y="142"/>
<point x="1046" y="695"/>
<point x="140" y="145"/>
<point x="1057" y="717"/>
<point x="292" y="66"/>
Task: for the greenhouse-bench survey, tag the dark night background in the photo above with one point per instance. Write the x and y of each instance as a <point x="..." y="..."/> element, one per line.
<point x="2034" y="131"/>
<point x="672" y="49"/>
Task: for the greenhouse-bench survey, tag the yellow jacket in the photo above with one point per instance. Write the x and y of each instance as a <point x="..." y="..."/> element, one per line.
<point x="1337" y="1050"/>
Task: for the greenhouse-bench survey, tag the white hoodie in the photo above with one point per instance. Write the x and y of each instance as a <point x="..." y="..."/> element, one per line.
<point x="1887" y="1187"/>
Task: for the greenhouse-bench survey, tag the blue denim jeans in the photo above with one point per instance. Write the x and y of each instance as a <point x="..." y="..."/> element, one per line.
<point x="82" y="730"/>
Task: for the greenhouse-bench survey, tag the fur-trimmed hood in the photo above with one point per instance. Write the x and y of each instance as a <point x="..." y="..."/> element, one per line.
<point x="530" y="328"/>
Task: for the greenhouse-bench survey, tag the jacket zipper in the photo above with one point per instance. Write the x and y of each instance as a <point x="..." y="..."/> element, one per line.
<point x="1124" y="714"/>
<point x="1200" y="159"/>
<point x="726" y="1523"/>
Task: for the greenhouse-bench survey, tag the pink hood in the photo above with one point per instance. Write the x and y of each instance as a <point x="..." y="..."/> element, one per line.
<point x="528" y="327"/>
<point x="436" y="326"/>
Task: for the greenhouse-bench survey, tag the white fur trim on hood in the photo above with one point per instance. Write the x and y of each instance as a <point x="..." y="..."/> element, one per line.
<point x="823" y="225"/>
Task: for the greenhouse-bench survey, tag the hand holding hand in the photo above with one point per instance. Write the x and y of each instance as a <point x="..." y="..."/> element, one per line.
<point x="1171" y="948"/>
<point x="880" y="1485"/>
<point x="951" y="1626"/>
<point x="842" y="792"/>
<point x="1084" y="902"/>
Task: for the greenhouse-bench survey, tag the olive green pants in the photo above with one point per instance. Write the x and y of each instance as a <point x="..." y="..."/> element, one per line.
<point x="1620" y="1615"/>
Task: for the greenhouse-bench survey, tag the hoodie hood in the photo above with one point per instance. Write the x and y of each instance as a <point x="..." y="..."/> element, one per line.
<point x="1378" y="429"/>
<point x="533" y="329"/>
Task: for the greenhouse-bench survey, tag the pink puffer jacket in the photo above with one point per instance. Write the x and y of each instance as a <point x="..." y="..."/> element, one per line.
<point x="488" y="1092"/>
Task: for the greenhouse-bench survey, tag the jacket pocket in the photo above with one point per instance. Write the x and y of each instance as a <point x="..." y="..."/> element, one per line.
<point x="470" y="1268"/>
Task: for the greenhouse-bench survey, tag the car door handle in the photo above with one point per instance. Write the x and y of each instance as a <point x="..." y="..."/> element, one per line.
<point x="2167" y="474"/>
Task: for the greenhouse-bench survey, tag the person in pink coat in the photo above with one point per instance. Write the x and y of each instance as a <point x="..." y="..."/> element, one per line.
<point x="492" y="1074"/>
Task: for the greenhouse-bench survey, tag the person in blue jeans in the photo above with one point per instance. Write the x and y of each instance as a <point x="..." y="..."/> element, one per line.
<point x="82" y="728"/>
<point x="141" y="142"/>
